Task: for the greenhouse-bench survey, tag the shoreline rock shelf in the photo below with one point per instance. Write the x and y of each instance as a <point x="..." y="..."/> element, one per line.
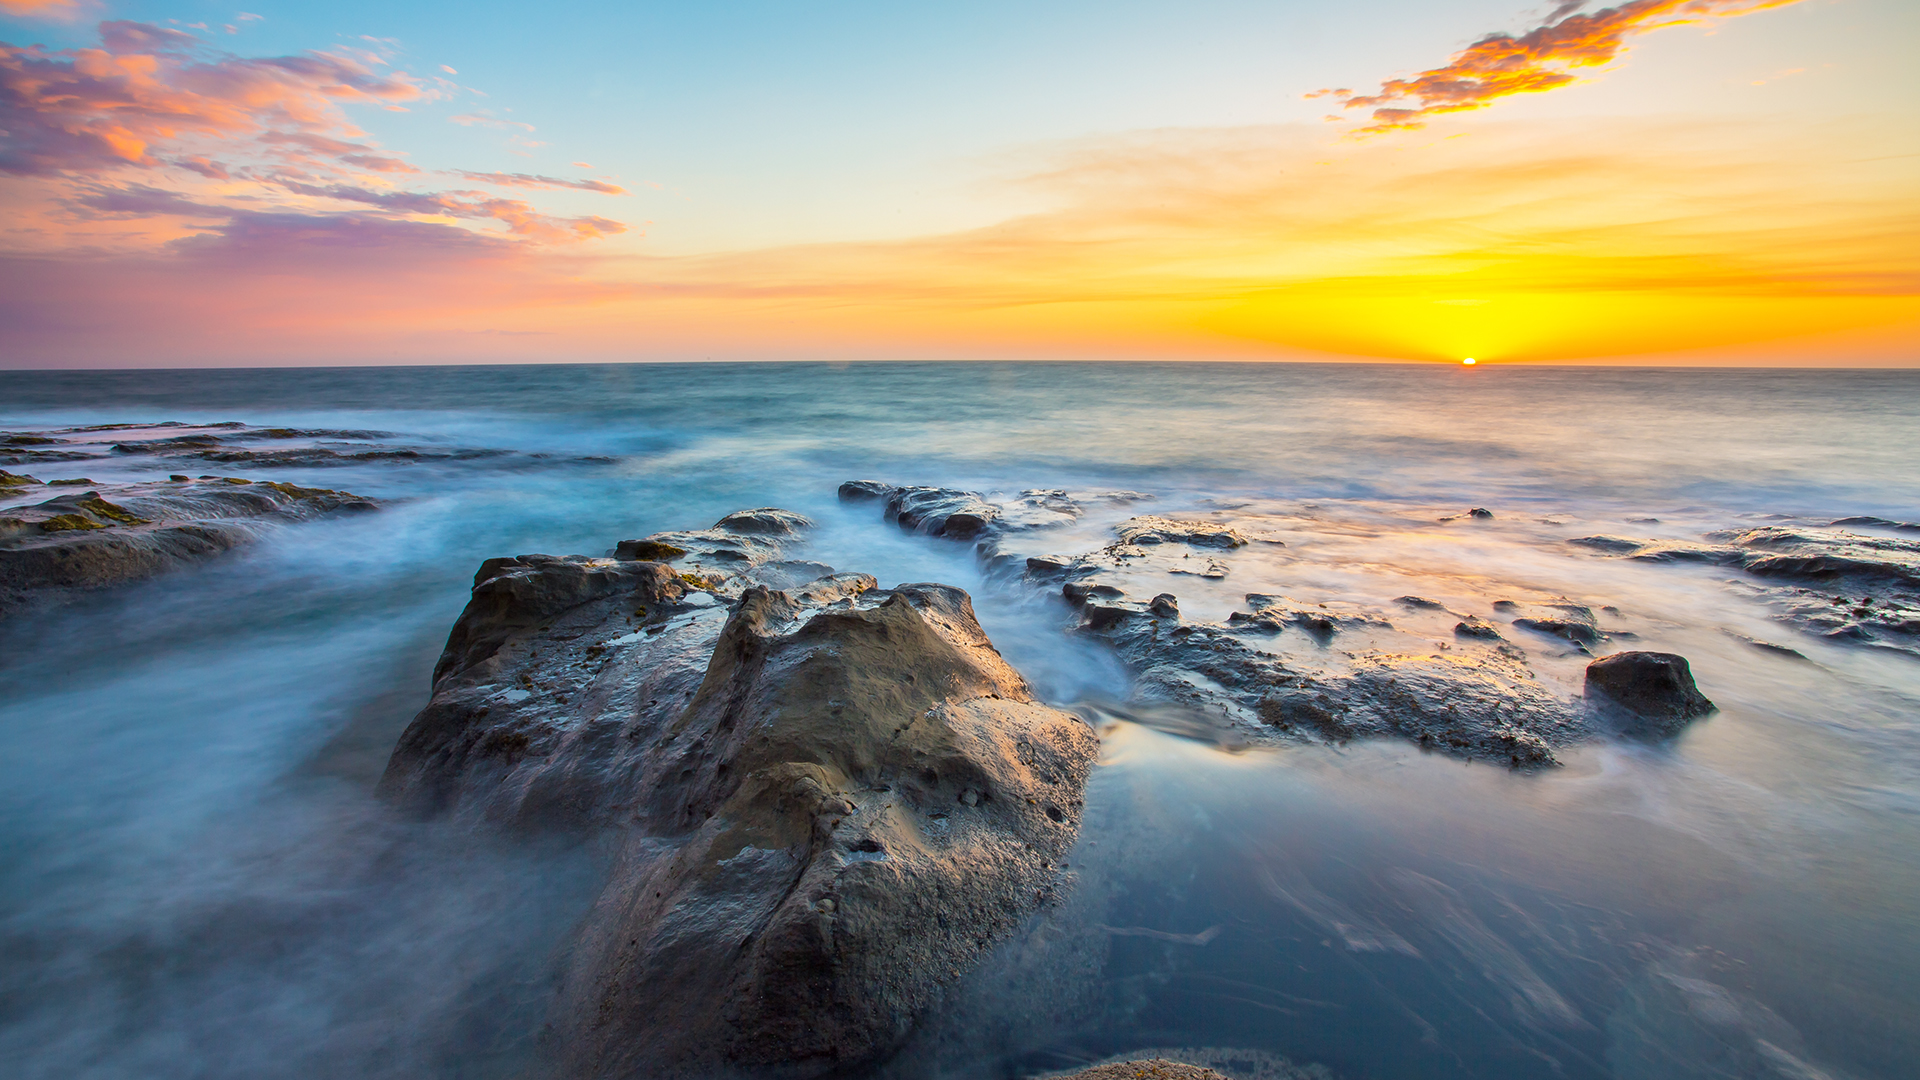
<point x="111" y="534"/>
<point x="830" y="799"/>
<point x="1476" y="696"/>
<point x="1831" y="580"/>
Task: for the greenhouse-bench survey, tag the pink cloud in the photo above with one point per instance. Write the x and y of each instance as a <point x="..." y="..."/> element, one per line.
<point x="159" y="104"/>
<point x="1543" y="58"/>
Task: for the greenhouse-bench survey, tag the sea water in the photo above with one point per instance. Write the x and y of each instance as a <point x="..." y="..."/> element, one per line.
<point x="196" y="880"/>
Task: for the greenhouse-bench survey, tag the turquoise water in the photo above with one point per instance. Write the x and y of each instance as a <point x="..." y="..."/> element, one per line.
<point x="195" y="880"/>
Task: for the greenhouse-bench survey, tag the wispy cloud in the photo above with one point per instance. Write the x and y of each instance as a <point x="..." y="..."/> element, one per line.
<point x="529" y="180"/>
<point x="474" y="120"/>
<point x="41" y="8"/>
<point x="1543" y="58"/>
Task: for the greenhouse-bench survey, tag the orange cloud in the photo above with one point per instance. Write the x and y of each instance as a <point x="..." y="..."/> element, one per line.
<point x="91" y="110"/>
<point x="1544" y="58"/>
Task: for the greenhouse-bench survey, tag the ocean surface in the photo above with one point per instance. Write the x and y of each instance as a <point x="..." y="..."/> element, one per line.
<point x="196" y="880"/>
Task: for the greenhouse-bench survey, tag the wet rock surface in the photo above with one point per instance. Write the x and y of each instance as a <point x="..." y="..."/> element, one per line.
<point x="830" y="800"/>
<point x="87" y="536"/>
<point x="1832" y="580"/>
<point x="1655" y="690"/>
<point x="972" y="515"/>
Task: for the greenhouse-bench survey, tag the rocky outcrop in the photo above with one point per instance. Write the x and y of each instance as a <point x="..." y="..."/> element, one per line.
<point x="1833" y="581"/>
<point x="832" y="799"/>
<point x="972" y="515"/>
<point x="1363" y="675"/>
<point x="237" y="444"/>
<point x="1653" y="690"/>
<point x="112" y="534"/>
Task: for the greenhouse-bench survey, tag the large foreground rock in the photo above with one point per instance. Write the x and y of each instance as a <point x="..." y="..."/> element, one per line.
<point x="832" y="799"/>
<point x="93" y="536"/>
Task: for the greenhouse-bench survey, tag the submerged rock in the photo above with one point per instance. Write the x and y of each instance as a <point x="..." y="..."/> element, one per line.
<point x="1656" y="688"/>
<point x="833" y="799"/>
<point x="84" y="540"/>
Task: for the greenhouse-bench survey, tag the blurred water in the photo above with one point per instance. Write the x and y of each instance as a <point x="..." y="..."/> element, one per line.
<point x="194" y="880"/>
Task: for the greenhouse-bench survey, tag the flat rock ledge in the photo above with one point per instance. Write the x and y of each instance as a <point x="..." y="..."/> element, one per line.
<point x="89" y="536"/>
<point x="1477" y="698"/>
<point x="829" y="799"/>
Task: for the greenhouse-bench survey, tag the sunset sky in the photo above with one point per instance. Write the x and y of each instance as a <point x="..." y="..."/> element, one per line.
<point x="1709" y="181"/>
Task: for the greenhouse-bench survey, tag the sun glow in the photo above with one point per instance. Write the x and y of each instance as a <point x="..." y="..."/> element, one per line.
<point x="1468" y="361"/>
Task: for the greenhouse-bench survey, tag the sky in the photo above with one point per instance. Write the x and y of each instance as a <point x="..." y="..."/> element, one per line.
<point x="1656" y="181"/>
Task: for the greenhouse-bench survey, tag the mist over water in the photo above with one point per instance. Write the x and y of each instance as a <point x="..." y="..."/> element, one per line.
<point x="196" y="880"/>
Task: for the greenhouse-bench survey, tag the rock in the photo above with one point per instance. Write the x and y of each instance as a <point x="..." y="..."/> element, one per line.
<point x="973" y="515"/>
<point x="1481" y="513"/>
<point x="235" y="443"/>
<point x="834" y="799"/>
<point x="1475" y="627"/>
<point x="1810" y="574"/>
<point x="1151" y="1069"/>
<point x="15" y="480"/>
<point x="1656" y="688"/>
<point x="1420" y="602"/>
<point x="864" y="490"/>
<point x="1612" y="545"/>
<point x="1876" y="523"/>
<point x="83" y="540"/>
<point x="959" y="515"/>
<point x="1571" y="622"/>
<point x="1164" y="606"/>
<point x="717" y="557"/>
<point x="1146" y="530"/>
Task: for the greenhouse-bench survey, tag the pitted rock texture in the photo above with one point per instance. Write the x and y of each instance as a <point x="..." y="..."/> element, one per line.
<point x="832" y="799"/>
<point x="111" y="534"/>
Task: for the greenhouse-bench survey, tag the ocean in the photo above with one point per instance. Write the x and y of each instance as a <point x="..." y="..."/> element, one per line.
<point x="196" y="879"/>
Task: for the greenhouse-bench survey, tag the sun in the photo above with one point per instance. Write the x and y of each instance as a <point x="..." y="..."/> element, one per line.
<point x="1468" y="361"/>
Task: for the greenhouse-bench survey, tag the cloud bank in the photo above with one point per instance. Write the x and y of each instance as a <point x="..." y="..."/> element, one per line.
<point x="155" y="123"/>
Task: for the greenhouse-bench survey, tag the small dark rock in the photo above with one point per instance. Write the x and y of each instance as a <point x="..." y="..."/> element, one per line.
<point x="864" y="490"/>
<point x="1481" y="513"/>
<point x="1164" y="606"/>
<point x="1420" y="602"/>
<point x="1656" y="688"/>
<point x="1475" y="627"/>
